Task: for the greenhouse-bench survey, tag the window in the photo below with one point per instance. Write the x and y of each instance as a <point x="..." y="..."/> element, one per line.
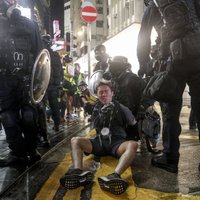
<point x="99" y="37"/>
<point x="93" y="37"/>
<point x="67" y="7"/>
<point x="99" y="24"/>
<point x="99" y="1"/>
<point x="100" y="10"/>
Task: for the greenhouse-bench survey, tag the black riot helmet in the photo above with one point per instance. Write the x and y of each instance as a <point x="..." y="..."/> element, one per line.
<point x="119" y="64"/>
<point x="5" y="5"/>
<point x="100" y="53"/>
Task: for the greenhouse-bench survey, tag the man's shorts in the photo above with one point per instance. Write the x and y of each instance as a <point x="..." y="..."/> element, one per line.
<point x="106" y="148"/>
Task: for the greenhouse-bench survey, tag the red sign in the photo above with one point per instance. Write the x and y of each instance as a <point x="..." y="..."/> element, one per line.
<point x="89" y="14"/>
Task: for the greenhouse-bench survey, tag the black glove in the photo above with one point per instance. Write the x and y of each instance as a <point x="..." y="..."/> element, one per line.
<point x="141" y="72"/>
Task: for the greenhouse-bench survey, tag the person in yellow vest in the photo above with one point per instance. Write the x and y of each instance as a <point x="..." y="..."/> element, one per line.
<point x="69" y="88"/>
<point x="85" y="96"/>
<point x="78" y="76"/>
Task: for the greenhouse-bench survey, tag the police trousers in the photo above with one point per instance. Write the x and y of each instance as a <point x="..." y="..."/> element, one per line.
<point x="184" y="73"/>
<point x="18" y="119"/>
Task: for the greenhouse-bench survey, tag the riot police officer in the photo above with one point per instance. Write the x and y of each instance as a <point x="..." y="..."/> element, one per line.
<point x="128" y="88"/>
<point x="55" y="82"/>
<point x="20" y="44"/>
<point x="174" y="32"/>
<point x="151" y="19"/>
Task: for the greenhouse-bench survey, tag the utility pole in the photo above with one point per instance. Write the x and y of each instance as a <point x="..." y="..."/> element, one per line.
<point x="71" y="29"/>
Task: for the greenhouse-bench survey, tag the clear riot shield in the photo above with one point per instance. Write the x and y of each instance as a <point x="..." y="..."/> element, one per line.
<point x="40" y="76"/>
<point x="94" y="81"/>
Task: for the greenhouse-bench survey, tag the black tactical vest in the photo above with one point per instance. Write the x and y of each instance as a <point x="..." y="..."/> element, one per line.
<point x="180" y="17"/>
<point x="14" y="45"/>
<point x="128" y="90"/>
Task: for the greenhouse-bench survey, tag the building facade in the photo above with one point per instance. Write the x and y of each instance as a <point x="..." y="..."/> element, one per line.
<point x="123" y="13"/>
<point x="77" y="27"/>
<point x="113" y="17"/>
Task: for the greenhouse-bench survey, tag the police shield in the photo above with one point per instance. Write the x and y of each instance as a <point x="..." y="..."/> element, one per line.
<point x="40" y="76"/>
<point x="94" y="81"/>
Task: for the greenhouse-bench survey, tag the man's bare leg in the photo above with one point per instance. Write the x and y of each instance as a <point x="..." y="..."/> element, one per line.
<point x="80" y="145"/>
<point x="113" y="182"/>
<point x="126" y="151"/>
<point x="76" y="177"/>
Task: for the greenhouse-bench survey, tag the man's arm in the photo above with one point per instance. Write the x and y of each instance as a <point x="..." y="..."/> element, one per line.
<point x="151" y="18"/>
<point x="127" y="115"/>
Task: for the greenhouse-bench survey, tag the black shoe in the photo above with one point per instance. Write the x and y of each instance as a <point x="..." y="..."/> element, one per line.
<point x="56" y="128"/>
<point x="68" y="116"/>
<point x="45" y="143"/>
<point x="113" y="183"/>
<point x="34" y="156"/>
<point x="164" y="163"/>
<point x="199" y="166"/>
<point x="75" y="178"/>
<point x="42" y="142"/>
<point x="12" y="160"/>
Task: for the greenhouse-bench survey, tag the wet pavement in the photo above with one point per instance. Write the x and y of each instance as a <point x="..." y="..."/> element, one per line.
<point x="11" y="176"/>
<point x="28" y="183"/>
<point x="187" y="181"/>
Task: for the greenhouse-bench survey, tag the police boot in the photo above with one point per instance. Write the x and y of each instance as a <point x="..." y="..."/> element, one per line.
<point x="56" y="128"/>
<point x="165" y="163"/>
<point x="34" y="156"/>
<point x="42" y="142"/>
<point x="13" y="160"/>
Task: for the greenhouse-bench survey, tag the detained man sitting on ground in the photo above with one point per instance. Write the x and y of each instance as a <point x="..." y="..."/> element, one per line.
<point x="110" y="119"/>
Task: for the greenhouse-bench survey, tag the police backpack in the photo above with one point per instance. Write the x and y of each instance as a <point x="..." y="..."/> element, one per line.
<point x="163" y="87"/>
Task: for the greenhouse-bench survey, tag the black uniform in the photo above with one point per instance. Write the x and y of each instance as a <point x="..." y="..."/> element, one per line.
<point x="192" y="120"/>
<point x="20" y="43"/>
<point x="54" y="87"/>
<point x="184" y="71"/>
<point x="151" y="19"/>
